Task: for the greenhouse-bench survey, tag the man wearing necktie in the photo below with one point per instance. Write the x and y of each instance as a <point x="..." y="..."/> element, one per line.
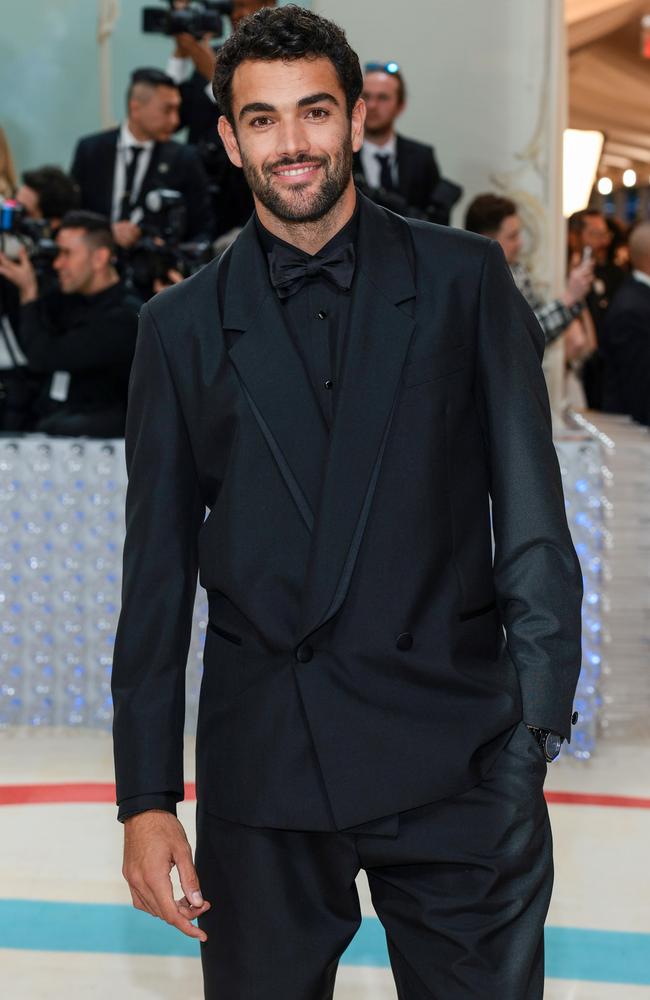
<point x="388" y="160"/>
<point x="345" y="391"/>
<point x="116" y="169"/>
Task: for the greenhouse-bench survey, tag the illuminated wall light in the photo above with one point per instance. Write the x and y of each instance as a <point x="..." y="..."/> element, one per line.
<point x="605" y="185"/>
<point x="582" y="152"/>
<point x="629" y="178"/>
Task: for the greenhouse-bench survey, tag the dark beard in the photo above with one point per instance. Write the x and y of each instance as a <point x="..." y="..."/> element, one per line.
<point x="337" y="177"/>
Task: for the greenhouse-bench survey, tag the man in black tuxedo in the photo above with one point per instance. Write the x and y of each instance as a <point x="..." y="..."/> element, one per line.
<point x="387" y="160"/>
<point x="344" y="390"/>
<point x="117" y="169"/>
<point x="625" y="336"/>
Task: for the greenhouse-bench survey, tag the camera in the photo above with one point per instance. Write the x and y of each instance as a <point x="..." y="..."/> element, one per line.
<point x="161" y="250"/>
<point x="16" y="229"/>
<point x="198" y="18"/>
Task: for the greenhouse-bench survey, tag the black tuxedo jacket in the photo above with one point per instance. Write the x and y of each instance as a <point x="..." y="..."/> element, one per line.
<point x="417" y="170"/>
<point x="355" y="662"/>
<point x="625" y="346"/>
<point x="172" y="166"/>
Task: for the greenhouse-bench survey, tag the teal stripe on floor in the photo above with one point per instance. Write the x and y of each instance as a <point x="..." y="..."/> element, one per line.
<point x="571" y="953"/>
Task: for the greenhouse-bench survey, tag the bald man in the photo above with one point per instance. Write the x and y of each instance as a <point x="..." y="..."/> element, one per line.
<point x="625" y="339"/>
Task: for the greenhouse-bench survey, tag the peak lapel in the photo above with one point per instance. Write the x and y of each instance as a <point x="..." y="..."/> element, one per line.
<point x="274" y="378"/>
<point x="377" y="343"/>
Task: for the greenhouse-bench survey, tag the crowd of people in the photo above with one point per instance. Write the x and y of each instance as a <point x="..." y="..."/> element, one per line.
<point x="139" y="210"/>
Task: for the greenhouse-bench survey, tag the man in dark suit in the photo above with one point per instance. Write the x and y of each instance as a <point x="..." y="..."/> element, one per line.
<point x="625" y="336"/>
<point x="344" y="391"/>
<point x="388" y="160"/>
<point x="117" y="169"/>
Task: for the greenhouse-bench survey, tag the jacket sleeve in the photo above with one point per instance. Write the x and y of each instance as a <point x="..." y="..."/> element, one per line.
<point x="537" y="575"/>
<point x="164" y="513"/>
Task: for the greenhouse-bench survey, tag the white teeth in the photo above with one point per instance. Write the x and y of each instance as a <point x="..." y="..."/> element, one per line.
<point x="296" y="172"/>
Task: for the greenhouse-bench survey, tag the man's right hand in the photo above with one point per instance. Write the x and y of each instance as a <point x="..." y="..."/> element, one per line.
<point x="155" y="841"/>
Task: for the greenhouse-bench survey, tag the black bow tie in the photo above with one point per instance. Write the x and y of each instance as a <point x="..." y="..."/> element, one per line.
<point x="289" y="270"/>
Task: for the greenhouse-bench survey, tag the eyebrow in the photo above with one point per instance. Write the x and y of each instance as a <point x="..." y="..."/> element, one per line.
<point x="304" y="102"/>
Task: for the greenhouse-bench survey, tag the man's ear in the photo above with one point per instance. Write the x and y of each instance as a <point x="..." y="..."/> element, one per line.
<point x="357" y="124"/>
<point x="102" y="257"/>
<point x="229" y="139"/>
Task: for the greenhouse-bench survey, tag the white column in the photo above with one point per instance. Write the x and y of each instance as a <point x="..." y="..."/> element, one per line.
<point x="487" y="89"/>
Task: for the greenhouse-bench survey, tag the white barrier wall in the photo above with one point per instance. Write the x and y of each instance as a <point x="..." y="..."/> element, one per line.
<point x="61" y="538"/>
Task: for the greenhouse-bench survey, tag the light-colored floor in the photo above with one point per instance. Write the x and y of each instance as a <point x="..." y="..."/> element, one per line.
<point x="71" y="853"/>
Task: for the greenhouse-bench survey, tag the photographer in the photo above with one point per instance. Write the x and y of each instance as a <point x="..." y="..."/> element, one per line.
<point x="116" y="169"/>
<point x="42" y="199"/>
<point x="83" y="336"/>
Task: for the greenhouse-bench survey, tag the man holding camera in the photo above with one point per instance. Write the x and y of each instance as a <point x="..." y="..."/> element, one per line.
<point x="117" y="169"/>
<point x="82" y="336"/>
<point x="42" y="199"/>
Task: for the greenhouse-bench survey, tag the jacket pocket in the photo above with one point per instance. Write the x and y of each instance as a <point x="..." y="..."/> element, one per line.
<point x="435" y="366"/>
<point x="228" y="636"/>
<point x="466" y="616"/>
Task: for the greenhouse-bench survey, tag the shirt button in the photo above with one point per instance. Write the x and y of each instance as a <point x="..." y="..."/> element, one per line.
<point x="328" y="383"/>
<point x="404" y="641"/>
<point x="304" y="653"/>
<point x="322" y="314"/>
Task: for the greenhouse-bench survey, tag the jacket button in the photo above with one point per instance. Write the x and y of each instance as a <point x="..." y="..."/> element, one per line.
<point x="304" y="653"/>
<point x="404" y="641"/>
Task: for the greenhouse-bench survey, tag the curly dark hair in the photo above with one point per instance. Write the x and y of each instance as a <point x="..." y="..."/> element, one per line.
<point x="286" y="33"/>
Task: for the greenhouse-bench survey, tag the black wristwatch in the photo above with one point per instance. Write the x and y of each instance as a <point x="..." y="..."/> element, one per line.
<point x="550" y="743"/>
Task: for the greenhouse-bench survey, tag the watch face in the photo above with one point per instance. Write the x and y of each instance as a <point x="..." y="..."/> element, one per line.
<point x="553" y="745"/>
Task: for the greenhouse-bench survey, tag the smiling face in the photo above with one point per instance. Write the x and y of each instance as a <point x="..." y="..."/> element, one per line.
<point x="294" y="138"/>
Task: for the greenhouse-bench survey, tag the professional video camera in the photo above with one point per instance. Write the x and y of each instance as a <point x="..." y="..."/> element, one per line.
<point x="161" y="249"/>
<point x="198" y="18"/>
<point x="34" y="234"/>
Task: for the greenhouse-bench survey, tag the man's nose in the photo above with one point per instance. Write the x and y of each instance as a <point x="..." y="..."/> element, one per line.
<point x="292" y="140"/>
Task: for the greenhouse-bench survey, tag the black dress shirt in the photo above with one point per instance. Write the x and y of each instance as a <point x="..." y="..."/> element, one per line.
<point x="317" y="317"/>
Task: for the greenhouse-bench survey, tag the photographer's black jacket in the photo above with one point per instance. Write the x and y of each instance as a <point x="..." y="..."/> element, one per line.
<point x="172" y="166"/>
<point x="92" y="337"/>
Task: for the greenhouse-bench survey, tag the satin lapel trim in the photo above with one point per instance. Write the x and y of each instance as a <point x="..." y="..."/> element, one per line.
<point x="272" y="371"/>
<point x="378" y="340"/>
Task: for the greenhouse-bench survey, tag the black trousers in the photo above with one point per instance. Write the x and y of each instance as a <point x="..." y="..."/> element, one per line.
<point x="461" y="886"/>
